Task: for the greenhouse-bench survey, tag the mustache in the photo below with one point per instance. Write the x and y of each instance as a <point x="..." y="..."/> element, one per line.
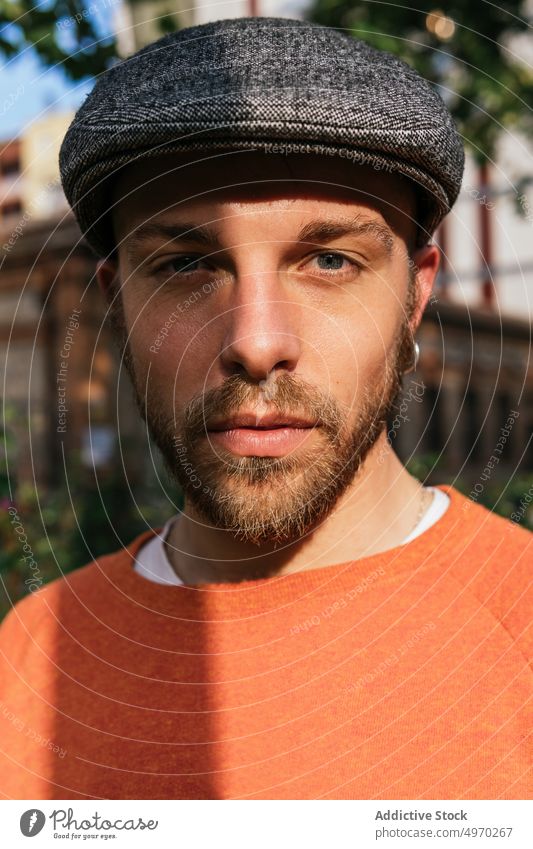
<point x="286" y="393"/>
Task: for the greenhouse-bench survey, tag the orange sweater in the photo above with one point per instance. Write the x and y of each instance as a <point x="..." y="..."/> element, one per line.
<point x="399" y="676"/>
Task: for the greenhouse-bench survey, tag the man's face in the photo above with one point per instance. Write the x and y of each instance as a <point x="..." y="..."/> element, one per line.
<point x="264" y="308"/>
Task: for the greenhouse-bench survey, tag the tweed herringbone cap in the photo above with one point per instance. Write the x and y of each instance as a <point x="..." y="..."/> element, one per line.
<point x="249" y="83"/>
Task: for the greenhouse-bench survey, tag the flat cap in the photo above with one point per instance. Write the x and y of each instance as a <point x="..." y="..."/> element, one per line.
<point x="250" y="83"/>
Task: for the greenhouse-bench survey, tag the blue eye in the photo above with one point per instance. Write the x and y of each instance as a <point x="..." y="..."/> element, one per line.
<point x="331" y="262"/>
<point x="183" y="264"/>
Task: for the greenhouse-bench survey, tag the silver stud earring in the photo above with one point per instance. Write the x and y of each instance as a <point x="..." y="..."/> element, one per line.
<point x="416" y="357"/>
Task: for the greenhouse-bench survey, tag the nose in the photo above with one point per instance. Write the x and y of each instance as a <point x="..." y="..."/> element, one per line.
<point x="262" y="331"/>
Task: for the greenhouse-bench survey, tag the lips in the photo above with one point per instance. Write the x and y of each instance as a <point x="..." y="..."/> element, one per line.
<point x="269" y="421"/>
<point x="270" y="435"/>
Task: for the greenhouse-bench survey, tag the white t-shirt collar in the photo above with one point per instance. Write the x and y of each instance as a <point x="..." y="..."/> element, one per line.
<point x="153" y="564"/>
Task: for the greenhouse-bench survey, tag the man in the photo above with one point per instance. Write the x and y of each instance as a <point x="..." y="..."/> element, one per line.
<point x="315" y="623"/>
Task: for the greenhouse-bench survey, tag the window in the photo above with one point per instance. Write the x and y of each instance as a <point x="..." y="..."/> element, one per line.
<point x="10" y="168"/>
<point x="11" y="209"/>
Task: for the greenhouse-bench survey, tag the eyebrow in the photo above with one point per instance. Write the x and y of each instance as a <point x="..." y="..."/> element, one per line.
<point x="326" y="231"/>
<point x="319" y="232"/>
<point x="200" y="234"/>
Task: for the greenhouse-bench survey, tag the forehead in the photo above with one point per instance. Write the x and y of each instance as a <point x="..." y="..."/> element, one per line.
<point x="248" y="180"/>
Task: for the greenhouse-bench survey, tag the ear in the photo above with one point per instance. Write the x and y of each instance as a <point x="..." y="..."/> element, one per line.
<point x="427" y="262"/>
<point x="107" y="277"/>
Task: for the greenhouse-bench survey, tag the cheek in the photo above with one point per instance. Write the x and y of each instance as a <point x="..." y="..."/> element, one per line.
<point x="170" y="342"/>
<point x="356" y="342"/>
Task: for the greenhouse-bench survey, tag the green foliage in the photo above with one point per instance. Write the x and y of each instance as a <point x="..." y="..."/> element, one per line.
<point x="71" y="525"/>
<point x="41" y="26"/>
<point x="167" y="23"/>
<point x="506" y="498"/>
<point x="474" y="68"/>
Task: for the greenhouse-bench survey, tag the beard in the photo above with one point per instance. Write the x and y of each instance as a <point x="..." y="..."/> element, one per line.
<point x="262" y="499"/>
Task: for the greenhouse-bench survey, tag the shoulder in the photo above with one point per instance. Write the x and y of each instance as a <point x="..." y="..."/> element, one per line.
<point x="477" y="525"/>
<point x="492" y="559"/>
<point x="485" y="534"/>
<point x="34" y="620"/>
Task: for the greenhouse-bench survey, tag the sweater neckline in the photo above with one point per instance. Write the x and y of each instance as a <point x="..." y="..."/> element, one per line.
<point x="264" y="594"/>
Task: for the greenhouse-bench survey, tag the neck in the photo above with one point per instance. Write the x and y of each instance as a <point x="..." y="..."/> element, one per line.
<point x="375" y="513"/>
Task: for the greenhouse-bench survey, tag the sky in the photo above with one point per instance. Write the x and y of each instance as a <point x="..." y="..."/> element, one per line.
<point x="28" y="88"/>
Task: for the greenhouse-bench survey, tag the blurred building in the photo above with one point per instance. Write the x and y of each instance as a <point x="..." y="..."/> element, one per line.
<point x="51" y="314"/>
<point x="475" y="364"/>
<point x="58" y="358"/>
<point x="41" y="193"/>
<point x="475" y="376"/>
<point x="487" y="240"/>
<point x="10" y="191"/>
<point x="29" y="179"/>
<point x="140" y="22"/>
